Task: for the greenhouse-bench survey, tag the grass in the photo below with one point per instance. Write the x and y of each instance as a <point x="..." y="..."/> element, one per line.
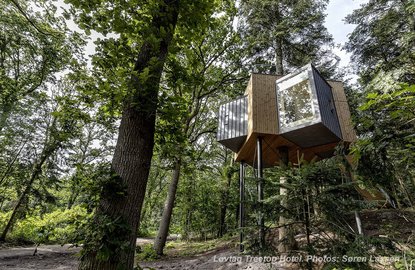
<point x="180" y="248"/>
<point x="184" y="248"/>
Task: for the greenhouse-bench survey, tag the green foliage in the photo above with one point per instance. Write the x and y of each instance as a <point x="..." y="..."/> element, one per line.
<point x="105" y="237"/>
<point x="33" y="47"/>
<point x="59" y="226"/>
<point x="386" y="152"/>
<point x="383" y="39"/>
<point x="146" y="253"/>
<point x="287" y="34"/>
<point x="382" y="48"/>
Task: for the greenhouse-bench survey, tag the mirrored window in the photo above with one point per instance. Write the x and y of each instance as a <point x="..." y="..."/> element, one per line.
<point x="295" y="101"/>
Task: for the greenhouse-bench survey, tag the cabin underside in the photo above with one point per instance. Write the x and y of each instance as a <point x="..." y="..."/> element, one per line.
<point x="270" y="150"/>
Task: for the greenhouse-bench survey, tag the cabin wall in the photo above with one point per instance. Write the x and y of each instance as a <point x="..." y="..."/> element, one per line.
<point x="343" y="111"/>
<point x="233" y="123"/>
<point x="327" y="107"/>
<point x="264" y="118"/>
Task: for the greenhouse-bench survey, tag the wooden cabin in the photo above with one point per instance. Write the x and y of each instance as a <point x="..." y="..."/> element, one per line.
<point x="300" y="111"/>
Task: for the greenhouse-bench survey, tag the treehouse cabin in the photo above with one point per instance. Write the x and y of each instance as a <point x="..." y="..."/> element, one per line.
<point x="301" y="112"/>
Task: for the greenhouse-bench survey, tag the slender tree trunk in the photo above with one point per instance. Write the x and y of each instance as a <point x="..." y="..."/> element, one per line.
<point x="285" y="232"/>
<point x="37" y="170"/>
<point x="224" y="203"/>
<point x="133" y="153"/>
<point x="10" y="166"/>
<point x="358" y="222"/>
<point x="72" y="197"/>
<point x="161" y="238"/>
<point x="6" y="110"/>
<point x="279" y="68"/>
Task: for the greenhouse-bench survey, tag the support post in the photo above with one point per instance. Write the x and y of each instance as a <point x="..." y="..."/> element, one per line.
<point x="260" y="193"/>
<point x="241" y="204"/>
<point x="358" y="222"/>
<point x="283" y="231"/>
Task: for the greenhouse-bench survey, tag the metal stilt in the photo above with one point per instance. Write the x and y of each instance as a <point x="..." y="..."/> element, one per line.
<point x="241" y="204"/>
<point x="260" y="192"/>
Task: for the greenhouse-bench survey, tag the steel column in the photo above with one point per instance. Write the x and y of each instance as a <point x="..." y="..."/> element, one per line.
<point x="260" y="192"/>
<point x="241" y="204"/>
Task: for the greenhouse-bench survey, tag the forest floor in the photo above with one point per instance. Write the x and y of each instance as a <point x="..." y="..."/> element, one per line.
<point x="179" y="256"/>
<point x="203" y="255"/>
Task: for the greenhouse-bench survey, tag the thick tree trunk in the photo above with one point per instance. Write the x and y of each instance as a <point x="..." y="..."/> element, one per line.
<point x="115" y="247"/>
<point x="161" y="238"/>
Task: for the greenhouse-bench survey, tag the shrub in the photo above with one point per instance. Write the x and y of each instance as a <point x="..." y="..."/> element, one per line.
<point x="59" y="226"/>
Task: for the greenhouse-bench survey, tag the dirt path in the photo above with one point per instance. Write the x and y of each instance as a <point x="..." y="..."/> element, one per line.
<point x="56" y="257"/>
<point x="226" y="259"/>
<point x="48" y="257"/>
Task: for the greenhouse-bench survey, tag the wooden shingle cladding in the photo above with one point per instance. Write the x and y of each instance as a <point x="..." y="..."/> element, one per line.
<point x="262" y="104"/>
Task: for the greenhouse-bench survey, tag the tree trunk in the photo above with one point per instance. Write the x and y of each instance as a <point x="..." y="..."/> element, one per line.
<point x="285" y="232"/>
<point x="224" y="203"/>
<point x="37" y="170"/>
<point x="6" y="110"/>
<point x="279" y="68"/>
<point x="72" y="197"/>
<point x="161" y="239"/>
<point x="115" y="246"/>
<point x="222" y="225"/>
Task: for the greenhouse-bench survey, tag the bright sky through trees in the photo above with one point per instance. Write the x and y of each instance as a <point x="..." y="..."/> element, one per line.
<point x="336" y="12"/>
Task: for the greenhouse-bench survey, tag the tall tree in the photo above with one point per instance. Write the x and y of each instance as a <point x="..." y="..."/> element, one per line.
<point x="383" y="40"/>
<point x="34" y="46"/>
<point x="145" y="32"/>
<point x="286" y="34"/>
<point x="383" y="53"/>
<point x="59" y="123"/>
<point x="196" y="76"/>
<point x="283" y="35"/>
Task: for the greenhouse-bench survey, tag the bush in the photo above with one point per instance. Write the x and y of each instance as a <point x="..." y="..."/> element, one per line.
<point x="59" y="226"/>
<point x="146" y="253"/>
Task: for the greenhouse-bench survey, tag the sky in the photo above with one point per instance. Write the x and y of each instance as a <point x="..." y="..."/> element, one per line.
<point x="336" y="11"/>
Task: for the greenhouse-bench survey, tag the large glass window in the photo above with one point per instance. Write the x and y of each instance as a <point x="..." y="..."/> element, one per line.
<point x="295" y="100"/>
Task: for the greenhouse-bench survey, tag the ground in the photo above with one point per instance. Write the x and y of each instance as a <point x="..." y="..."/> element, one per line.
<point x="204" y="255"/>
<point x="56" y="257"/>
<point x="48" y="257"/>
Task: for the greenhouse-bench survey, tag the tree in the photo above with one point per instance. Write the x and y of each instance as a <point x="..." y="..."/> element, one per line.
<point x="34" y="46"/>
<point x="287" y="34"/>
<point x="61" y="123"/>
<point x="383" y="54"/>
<point x="145" y="32"/>
<point x="195" y="75"/>
<point x="383" y="39"/>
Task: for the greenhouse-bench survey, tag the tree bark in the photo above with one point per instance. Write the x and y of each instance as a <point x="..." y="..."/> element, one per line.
<point x="37" y="170"/>
<point x="161" y="238"/>
<point x="6" y="110"/>
<point x="285" y="233"/>
<point x="133" y="153"/>
<point x="279" y="68"/>
<point x="224" y="202"/>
